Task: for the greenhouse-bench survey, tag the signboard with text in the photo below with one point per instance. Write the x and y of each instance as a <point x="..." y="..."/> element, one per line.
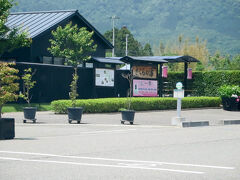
<point x="178" y="93"/>
<point x="145" y="88"/>
<point x="104" y="77"/>
<point x="147" y="72"/>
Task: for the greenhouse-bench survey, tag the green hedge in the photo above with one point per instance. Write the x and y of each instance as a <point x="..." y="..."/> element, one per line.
<point x="138" y="104"/>
<point x="206" y="83"/>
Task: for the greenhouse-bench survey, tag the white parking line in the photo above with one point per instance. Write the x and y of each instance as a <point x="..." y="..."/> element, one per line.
<point x="110" y="131"/>
<point x="120" y="160"/>
<point x="102" y="165"/>
<point x="90" y="133"/>
<point x="103" y="125"/>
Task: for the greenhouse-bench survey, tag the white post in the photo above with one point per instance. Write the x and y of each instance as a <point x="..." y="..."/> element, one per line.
<point x="127" y="44"/>
<point x="179" y="104"/>
<point x="113" y="38"/>
<point x="179" y="94"/>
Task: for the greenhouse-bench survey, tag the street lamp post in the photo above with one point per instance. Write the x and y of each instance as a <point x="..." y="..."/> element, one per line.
<point x="113" y="39"/>
<point x="127" y="44"/>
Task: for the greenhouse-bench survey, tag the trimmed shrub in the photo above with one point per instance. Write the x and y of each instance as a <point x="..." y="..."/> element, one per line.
<point x="227" y="91"/>
<point x="138" y="104"/>
<point x="206" y="83"/>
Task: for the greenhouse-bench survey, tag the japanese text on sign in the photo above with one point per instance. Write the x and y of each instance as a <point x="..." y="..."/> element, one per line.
<point x="145" y="72"/>
<point x="145" y="88"/>
<point x="104" y="77"/>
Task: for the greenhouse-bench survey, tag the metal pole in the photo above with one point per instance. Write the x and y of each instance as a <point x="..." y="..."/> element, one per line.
<point x="127" y="44"/>
<point x="113" y="42"/>
<point x="179" y="107"/>
<point x="113" y="53"/>
<point x="185" y="77"/>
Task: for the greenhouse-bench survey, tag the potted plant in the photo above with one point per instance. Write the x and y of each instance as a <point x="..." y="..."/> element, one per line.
<point x="75" y="45"/>
<point x="74" y="113"/>
<point x="230" y="95"/>
<point x="128" y="113"/>
<point x="8" y="93"/>
<point x="28" y="84"/>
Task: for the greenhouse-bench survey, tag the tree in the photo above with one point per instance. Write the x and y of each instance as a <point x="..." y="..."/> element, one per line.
<point x="10" y="38"/>
<point x="8" y="84"/>
<point x="28" y="84"/>
<point x="161" y="48"/>
<point x="235" y="63"/>
<point x="183" y="46"/>
<point x="219" y="62"/>
<point x="129" y="76"/>
<point x="134" y="47"/>
<point x="75" y="45"/>
<point x="147" y="50"/>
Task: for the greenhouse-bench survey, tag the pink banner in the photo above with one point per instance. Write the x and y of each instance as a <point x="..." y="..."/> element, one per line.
<point x="145" y="88"/>
<point x="164" y="71"/>
<point x="189" y="74"/>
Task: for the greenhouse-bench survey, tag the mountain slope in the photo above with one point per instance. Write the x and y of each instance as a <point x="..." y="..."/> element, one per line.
<point x="153" y="21"/>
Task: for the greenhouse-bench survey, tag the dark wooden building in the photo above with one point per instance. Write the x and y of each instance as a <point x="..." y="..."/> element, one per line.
<point x="98" y="78"/>
<point x="39" y="26"/>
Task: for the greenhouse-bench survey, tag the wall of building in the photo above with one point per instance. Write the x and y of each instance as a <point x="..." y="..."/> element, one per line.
<point x="52" y="83"/>
<point x="21" y="54"/>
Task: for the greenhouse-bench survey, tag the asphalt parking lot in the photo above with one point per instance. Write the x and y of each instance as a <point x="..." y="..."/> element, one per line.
<point x="101" y="148"/>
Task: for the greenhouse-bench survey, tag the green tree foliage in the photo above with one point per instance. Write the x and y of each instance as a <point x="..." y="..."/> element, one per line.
<point x="154" y="20"/>
<point x="75" y="44"/>
<point x="8" y="84"/>
<point x="218" y="62"/>
<point x="28" y="84"/>
<point x="134" y="47"/>
<point x="147" y="50"/>
<point x="183" y="46"/>
<point x="229" y="91"/>
<point x="10" y="38"/>
<point x="235" y="62"/>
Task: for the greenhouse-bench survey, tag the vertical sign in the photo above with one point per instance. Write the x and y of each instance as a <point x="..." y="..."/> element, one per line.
<point x="164" y="71"/>
<point x="189" y="73"/>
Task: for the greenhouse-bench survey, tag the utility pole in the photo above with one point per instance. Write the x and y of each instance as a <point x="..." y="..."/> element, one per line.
<point x="113" y="26"/>
<point x="127" y="44"/>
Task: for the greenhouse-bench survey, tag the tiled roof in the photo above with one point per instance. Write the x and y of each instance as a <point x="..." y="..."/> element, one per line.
<point x="159" y="59"/>
<point x="36" y="23"/>
<point x="110" y="60"/>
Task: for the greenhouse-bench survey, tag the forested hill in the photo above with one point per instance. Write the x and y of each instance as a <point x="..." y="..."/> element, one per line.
<point x="152" y="21"/>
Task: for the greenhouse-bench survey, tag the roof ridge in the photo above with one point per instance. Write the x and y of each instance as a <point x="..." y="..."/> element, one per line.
<point x="38" y="12"/>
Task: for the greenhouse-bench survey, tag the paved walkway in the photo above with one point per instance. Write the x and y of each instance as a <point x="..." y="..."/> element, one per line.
<point x="161" y="118"/>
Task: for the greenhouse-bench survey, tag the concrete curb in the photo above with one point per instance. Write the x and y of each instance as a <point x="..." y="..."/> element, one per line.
<point x="231" y="122"/>
<point x="194" y="124"/>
